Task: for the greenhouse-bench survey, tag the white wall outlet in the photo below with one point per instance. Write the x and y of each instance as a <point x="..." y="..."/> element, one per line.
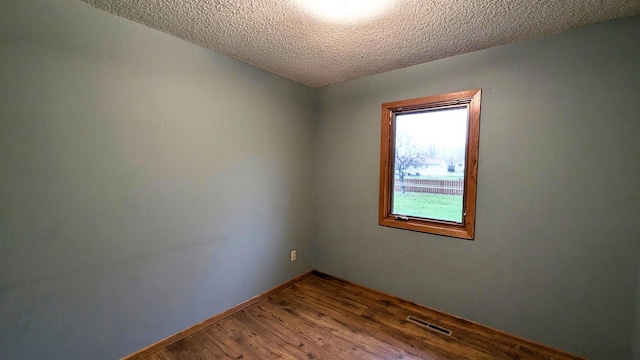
<point x="293" y="255"/>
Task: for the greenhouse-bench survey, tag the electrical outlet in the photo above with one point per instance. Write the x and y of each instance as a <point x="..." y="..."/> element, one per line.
<point x="293" y="255"/>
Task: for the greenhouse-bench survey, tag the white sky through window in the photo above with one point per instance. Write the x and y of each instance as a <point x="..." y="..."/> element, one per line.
<point x="445" y="128"/>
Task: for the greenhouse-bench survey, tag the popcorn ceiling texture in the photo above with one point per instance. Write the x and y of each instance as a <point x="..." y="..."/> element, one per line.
<point x="279" y="36"/>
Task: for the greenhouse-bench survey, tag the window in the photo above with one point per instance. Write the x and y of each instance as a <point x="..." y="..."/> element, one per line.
<point x="435" y="138"/>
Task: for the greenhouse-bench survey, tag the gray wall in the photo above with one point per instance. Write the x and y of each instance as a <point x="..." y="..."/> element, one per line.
<point x="146" y="184"/>
<point x="636" y="336"/>
<point x="556" y="249"/>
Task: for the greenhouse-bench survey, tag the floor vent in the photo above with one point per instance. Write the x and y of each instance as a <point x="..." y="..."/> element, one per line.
<point x="429" y="325"/>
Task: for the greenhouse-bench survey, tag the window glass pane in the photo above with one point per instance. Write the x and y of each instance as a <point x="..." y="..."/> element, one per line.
<point x="429" y="164"/>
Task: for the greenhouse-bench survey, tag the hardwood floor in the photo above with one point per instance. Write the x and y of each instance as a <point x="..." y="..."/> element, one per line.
<point x="321" y="317"/>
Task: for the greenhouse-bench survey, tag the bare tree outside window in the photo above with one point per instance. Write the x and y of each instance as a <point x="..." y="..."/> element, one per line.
<point x="407" y="155"/>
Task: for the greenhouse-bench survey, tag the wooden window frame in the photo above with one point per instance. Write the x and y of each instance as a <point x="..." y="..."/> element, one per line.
<point x="464" y="230"/>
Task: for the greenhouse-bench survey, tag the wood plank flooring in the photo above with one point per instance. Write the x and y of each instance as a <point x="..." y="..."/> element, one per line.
<point x="322" y="317"/>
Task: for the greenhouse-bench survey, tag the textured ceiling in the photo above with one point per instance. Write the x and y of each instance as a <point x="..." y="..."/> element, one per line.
<point x="282" y="37"/>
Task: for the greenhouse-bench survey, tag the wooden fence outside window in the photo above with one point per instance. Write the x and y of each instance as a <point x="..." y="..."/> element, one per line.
<point x="430" y="186"/>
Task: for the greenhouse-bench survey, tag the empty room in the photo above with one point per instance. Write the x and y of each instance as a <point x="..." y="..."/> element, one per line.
<point x="381" y="179"/>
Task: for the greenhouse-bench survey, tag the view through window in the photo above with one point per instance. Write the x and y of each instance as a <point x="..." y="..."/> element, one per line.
<point x="429" y="164"/>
